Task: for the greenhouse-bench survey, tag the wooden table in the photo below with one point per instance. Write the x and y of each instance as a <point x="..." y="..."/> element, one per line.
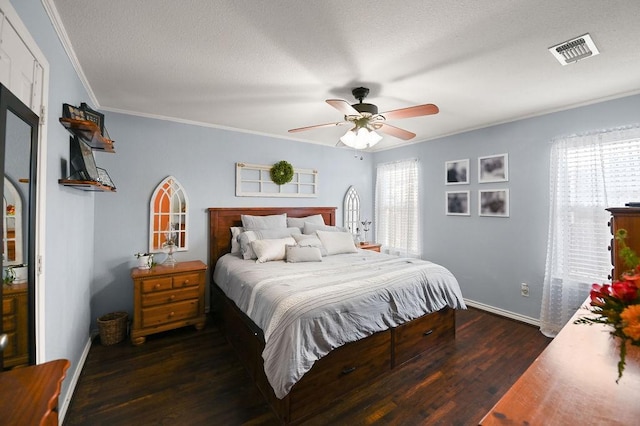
<point x="573" y="382"/>
<point x="29" y="395"/>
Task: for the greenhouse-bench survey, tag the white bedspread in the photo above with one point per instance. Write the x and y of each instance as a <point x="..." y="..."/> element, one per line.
<point x="307" y="309"/>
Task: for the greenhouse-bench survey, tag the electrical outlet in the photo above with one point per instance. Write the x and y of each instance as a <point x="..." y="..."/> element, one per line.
<point x="524" y="289"/>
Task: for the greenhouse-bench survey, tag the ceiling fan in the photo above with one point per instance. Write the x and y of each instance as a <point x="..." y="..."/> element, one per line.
<point x="366" y="120"/>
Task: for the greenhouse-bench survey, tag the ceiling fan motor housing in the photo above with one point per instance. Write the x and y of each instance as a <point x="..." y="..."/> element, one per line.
<point x="366" y="108"/>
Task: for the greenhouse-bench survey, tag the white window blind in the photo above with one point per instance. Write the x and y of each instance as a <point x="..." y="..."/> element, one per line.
<point x="588" y="173"/>
<point x="396" y="207"/>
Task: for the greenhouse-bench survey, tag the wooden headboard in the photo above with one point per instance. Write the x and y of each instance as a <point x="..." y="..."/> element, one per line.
<point x="221" y="219"/>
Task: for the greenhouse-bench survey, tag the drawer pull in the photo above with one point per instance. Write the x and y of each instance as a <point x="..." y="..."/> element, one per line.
<point x="428" y="332"/>
<point x="172" y="297"/>
<point x="171" y="314"/>
<point x="186" y="282"/>
<point x="348" y="370"/>
<point x="156" y="286"/>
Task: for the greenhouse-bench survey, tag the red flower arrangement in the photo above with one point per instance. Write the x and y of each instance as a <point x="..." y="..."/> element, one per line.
<point x="618" y="304"/>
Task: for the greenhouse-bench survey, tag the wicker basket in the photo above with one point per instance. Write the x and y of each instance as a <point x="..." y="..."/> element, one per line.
<point x="113" y="328"/>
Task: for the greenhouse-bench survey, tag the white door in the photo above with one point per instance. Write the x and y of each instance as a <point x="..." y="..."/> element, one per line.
<point x="20" y="72"/>
<point x="24" y="70"/>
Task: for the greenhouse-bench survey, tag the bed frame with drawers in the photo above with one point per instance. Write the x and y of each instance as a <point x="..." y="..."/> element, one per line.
<point x="343" y="370"/>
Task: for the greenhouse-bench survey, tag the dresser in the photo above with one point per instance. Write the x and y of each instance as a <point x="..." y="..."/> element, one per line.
<point x="629" y="219"/>
<point x="15" y="319"/>
<point x="167" y="297"/>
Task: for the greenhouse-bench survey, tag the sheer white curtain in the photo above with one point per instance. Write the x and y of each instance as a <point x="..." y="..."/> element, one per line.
<point x="589" y="173"/>
<point x="396" y="207"/>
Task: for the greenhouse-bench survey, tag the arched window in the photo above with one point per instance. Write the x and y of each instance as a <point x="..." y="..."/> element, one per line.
<point x="169" y="216"/>
<point x="352" y="210"/>
<point x="13" y="223"/>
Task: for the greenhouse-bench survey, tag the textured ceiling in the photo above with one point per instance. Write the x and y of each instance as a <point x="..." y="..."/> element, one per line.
<point x="267" y="66"/>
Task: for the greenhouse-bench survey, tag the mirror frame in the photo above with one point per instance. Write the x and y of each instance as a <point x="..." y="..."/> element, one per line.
<point x="11" y="103"/>
<point x="351" y="211"/>
<point x="169" y="185"/>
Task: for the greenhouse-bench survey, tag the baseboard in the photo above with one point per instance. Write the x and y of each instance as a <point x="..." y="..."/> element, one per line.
<point x="502" y="312"/>
<point x="63" y="402"/>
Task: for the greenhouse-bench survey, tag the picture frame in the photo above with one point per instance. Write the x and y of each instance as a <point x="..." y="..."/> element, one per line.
<point x="93" y="116"/>
<point x="70" y="111"/>
<point x="493" y="168"/>
<point x="457" y="172"/>
<point x="104" y="178"/>
<point x="457" y="203"/>
<point x="493" y="202"/>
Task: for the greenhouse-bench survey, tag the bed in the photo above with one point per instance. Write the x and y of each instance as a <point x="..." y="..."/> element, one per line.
<point x="336" y="368"/>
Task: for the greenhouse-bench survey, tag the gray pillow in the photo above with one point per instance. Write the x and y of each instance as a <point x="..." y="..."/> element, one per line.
<point x="309" y="241"/>
<point x="247" y="237"/>
<point x="251" y="223"/>
<point x="310" y="228"/>
<point x="316" y="219"/>
<point x="296" y="254"/>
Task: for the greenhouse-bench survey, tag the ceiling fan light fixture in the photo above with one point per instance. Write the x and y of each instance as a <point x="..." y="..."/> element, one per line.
<point x="360" y="138"/>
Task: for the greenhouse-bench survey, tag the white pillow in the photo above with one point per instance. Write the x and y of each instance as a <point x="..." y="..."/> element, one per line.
<point x="337" y="242"/>
<point x="235" y="244"/>
<point x="304" y="240"/>
<point x="295" y="254"/>
<point x="251" y="223"/>
<point x="316" y="219"/>
<point x="247" y="237"/>
<point x="310" y="228"/>
<point x="268" y="250"/>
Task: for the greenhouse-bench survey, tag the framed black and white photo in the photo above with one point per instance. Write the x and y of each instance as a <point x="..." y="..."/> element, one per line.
<point x="457" y="203"/>
<point x="457" y="172"/>
<point x="493" y="168"/>
<point x="493" y="202"/>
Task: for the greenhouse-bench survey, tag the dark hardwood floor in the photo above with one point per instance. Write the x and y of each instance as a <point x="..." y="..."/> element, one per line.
<point x="185" y="377"/>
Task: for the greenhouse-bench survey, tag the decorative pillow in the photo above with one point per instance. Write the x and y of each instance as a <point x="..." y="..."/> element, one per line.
<point x="304" y="240"/>
<point x="337" y="242"/>
<point x="268" y="250"/>
<point x="310" y="228"/>
<point x="247" y="237"/>
<point x="296" y="254"/>
<point x="235" y="244"/>
<point x="251" y="223"/>
<point x="316" y="219"/>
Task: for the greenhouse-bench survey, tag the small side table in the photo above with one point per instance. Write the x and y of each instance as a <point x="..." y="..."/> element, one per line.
<point x="167" y="297"/>
<point x="370" y="246"/>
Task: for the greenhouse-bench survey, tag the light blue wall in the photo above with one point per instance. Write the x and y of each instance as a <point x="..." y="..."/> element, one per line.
<point x="203" y="160"/>
<point x="492" y="256"/>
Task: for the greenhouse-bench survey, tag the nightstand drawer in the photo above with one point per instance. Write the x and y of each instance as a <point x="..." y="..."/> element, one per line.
<point x="8" y="306"/>
<point x="156" y="284"/>
<point x="160" y="297"/>
<point x="169" y="313"/>
<point x="186" y="280"/>
<point x="10" y="349"/>
<point x="8" y="323"/>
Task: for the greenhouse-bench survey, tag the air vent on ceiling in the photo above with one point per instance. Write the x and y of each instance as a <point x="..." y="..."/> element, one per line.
<point x="574" y="50"/>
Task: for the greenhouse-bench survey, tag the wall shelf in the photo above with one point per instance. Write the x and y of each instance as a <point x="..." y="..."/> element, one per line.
<point x="89" y="132"/>
<point x="86" y="185"/>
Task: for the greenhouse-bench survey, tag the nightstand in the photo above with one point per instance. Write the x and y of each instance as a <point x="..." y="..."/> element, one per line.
<point x="370" y="246"/>
<point x="167" y="297"/>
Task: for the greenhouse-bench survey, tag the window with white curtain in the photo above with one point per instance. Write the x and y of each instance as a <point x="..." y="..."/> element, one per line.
<point x="396" y="207"/>
<point x="588" y="173"/>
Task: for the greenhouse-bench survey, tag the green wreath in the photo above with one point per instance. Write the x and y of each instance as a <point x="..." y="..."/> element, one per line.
<point x="281" y="172"/>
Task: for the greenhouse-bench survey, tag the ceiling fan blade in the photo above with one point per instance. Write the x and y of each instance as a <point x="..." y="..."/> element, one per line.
<point x="302" y="129"/>
<point x="343" y="106"/>
<point x="395" y="131"/>
<point x="414" y="111"/>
